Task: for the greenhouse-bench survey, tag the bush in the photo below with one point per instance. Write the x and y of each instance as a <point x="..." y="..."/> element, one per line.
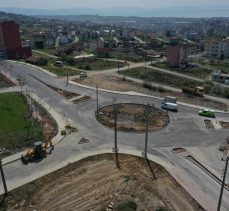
<point x="129" y="206"/>
<point x="148" y="85"/>
<point x="161" y="88"/>
<point x="87" y="67"/>
<point x="216" y="89"/>
<point x="226" y="93"/>
<point x="207" y="88"/>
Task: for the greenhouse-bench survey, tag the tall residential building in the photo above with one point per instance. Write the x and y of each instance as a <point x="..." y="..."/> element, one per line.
<point x="213" y="48"/>
<point x="10" y="41"/>
<point x="177" y="55"/>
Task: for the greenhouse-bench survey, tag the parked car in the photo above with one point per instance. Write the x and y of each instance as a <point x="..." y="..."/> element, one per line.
<point x="207" y="113"/>
<point x="83" y="74"/>
<point x="169" y="106"/>
<point x="59" y="64"/>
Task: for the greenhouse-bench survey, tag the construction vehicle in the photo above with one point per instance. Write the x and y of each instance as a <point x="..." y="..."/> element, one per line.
<point x="193" y="90"/>
<point x="37" y="151"/>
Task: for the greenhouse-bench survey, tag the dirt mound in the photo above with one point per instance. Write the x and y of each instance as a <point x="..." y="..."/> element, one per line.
<point x="132" y="117"/>
<point x="96" y="183"/>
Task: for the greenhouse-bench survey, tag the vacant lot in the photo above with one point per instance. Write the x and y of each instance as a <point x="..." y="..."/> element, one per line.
<point x="112" y="82"/>
<point x="191" y="70"/>
<point x="99" y="64"/>
<point x="125" y="183"/>
<point x="149" y="75"/>
<point x="61" y="71"/>
<point x="158" y="77"/>
<point x="17" y="127"/>
<point x="212" y="63"/>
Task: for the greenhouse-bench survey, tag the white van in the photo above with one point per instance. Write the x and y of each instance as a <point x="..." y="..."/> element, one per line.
<point x="169" y="106"/>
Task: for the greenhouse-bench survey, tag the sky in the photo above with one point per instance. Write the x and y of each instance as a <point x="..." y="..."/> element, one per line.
<point x="60" y="4"/>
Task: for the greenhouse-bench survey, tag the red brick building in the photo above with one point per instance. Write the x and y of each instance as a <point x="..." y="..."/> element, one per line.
<point x="177" y="55"/>
<point x="10" y="41"/>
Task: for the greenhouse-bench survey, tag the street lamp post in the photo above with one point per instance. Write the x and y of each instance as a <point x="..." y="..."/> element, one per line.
<point x="97" y="101"/>
<point x="147" y="111"/>
<point x="118" y="64"/>
<point x="115" y="149"/>
<point x="223" y="183"/>
<point x="66" y="73"/>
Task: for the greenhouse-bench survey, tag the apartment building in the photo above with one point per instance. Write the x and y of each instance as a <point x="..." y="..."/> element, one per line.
<point x="177" y="55"/>
<point x="10" y="41"/>
<point x="217" y="48"/>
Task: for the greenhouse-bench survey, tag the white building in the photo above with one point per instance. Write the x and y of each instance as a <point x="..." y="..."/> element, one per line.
<point x="226" y="48"/>
<point x="213" y="49"/>
<point x="217" y="49"/>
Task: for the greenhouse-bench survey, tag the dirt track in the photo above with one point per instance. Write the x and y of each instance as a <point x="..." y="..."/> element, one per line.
<point x="96" y="183"/>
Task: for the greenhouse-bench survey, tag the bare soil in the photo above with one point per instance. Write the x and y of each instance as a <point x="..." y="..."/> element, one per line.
<point x="5" y="82"/>
<point x="99" y="184"/>
<point x="48" y="124"/>
<point x="82" y="99"/>
<point x="64" y="93"/>
<point x="132" y="117"/>
<point x="112" y="82"/>
<point x="224" y="124"/>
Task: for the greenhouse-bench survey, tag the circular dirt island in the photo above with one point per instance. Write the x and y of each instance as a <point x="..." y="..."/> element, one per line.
<point x="133" y="117"/>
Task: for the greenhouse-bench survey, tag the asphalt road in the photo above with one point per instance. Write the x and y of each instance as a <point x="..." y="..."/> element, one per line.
<point x="185" y="129"/>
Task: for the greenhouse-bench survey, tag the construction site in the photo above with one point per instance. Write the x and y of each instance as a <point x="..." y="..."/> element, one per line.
<point x="104" y="182"/>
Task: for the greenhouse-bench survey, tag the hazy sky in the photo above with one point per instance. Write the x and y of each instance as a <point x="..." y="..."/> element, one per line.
<point x="55" y="4"/>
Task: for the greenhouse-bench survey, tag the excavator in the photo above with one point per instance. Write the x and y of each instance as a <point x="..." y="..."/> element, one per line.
<point x="37" y="151"/>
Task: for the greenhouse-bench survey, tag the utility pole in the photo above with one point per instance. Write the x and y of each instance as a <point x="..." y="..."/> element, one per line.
<point x="3" y="178"/>
<point x="115" y="149"/>
<point x="147" y="111"/>
<point x="223" y="183"/>
<point x="97" y="101"/>
<point x="118" y="64"/>
<point x="66" y="73"/>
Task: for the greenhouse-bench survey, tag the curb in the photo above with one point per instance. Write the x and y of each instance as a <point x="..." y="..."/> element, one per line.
<point x="35" y="67"/>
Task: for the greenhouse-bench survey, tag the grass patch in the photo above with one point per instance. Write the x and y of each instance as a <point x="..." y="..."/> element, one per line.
<point x="150" y="75"/>
<point x="99" y="64"/>
<point x="47" y="50"/>
<point x="13" y="124"/>
<point x="61" y="71"/>
<point x="131" y="56"/>
<point x="213" y="63"/>
<point x="191" y="70"/>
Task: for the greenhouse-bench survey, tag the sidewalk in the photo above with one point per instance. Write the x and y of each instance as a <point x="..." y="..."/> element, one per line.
<point x="35" y="67"/>
<point x="10" y="89"/>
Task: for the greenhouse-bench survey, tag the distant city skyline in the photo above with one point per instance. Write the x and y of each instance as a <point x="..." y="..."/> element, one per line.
<point x="59" y="4"/>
